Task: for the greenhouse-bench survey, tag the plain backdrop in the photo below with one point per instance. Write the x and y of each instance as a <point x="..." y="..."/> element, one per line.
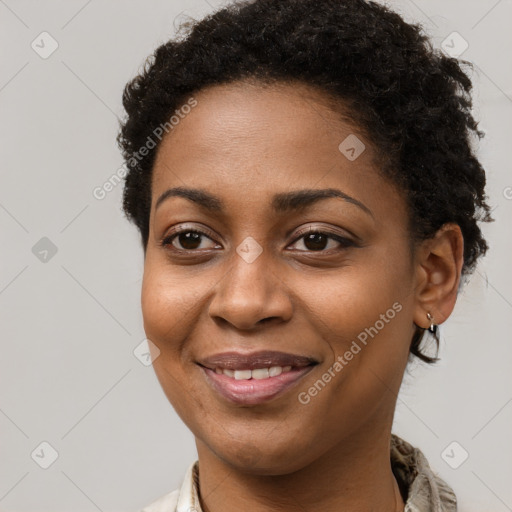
<point x="73" y="393"/>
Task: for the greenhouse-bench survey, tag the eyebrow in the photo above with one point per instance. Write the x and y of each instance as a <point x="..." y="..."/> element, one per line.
<point x="281" y="203"/>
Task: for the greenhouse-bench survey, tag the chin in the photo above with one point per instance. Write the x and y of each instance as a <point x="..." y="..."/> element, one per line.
<point x="262" y="456"/>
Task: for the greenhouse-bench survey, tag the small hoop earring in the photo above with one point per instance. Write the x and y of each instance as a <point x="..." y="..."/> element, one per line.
<point x="433" y="327"/>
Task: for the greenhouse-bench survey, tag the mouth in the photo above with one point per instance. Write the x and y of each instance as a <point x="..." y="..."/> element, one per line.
<point x="251" y="379"/>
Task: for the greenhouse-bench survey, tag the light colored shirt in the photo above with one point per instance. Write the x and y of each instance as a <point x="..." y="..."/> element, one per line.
<point x="425" y="491"/>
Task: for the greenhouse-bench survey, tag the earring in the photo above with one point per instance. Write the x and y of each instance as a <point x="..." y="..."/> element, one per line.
<point x="433" y="326"/>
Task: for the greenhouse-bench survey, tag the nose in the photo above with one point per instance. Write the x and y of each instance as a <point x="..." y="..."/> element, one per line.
<point x="251" y="294"/>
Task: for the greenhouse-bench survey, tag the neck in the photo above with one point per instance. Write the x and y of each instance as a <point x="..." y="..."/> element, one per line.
<point x="355" y="475"/>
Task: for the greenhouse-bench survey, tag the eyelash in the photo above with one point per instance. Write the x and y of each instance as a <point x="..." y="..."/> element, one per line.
<point x="345" y="242"/>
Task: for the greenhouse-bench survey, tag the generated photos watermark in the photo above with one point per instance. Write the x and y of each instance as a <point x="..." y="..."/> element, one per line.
<point x="100" y="192"/>
<point x="341" y="361"/>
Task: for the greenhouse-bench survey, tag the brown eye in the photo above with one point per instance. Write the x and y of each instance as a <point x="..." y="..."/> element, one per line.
<point x="189" y="240"/>
<point x="318" y="241"/>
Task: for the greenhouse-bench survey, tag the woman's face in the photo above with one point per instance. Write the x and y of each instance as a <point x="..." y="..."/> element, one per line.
<point x="278" y="277"/>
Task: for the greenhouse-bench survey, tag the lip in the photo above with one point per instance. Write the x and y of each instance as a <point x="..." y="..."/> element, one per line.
<point x="254" y="391"/>
<point x="253" y="360"/>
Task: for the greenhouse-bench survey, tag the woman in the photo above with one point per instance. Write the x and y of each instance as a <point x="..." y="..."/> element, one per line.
<point x="302" y="177"/>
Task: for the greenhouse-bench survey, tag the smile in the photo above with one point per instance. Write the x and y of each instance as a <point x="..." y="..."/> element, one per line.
<point x="257" y="373"/>
<point x="252" y="379"/>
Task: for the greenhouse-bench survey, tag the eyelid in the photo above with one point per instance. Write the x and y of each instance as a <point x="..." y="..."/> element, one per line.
<point x="184" y="228"/>
<point x="327" y="231"/>
<point x="344" y="241"/>
<point x="167" y="240"/>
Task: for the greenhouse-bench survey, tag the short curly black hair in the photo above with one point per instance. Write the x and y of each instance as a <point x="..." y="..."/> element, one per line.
<point x="412" y="100"/>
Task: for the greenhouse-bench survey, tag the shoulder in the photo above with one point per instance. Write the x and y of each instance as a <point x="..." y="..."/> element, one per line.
<point x="166" y="503"/>
<point x="424" y="489"/>
<point x="184" y="498"/>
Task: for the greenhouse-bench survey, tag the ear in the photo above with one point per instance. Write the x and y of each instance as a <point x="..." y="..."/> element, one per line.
<point x="439" y="263"/>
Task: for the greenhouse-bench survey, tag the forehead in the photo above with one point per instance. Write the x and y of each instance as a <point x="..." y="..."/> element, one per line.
<point x="243" y="120"/>
<point x="245" y="137"/>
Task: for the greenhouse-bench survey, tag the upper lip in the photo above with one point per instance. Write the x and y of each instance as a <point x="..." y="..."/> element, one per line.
<point x="253" y="360"/>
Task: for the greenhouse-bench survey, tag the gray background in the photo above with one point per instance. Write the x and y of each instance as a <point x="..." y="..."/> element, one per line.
<point x="70" y="321"/>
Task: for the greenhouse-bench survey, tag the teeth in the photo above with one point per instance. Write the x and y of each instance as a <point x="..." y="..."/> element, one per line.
<point x="274" y="371"/>
<point x="242" y="374"/>
<point x="257" y="373"/>
<point x="260" y="373"/>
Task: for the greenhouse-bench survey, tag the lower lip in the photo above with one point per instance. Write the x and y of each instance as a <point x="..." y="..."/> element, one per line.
<point x="253" y="391"/>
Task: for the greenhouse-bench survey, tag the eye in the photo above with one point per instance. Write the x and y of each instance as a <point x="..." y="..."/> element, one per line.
<point x="189" y="239"/>
<point x="316" y="240"/>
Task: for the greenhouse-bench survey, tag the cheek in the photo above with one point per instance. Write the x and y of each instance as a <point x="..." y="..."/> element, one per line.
<point x="368" y="334"/>
<point x="359" y="303"/>
<point x="169" y="314"/>
<point x="168" y="305"/>
<point x="364" y="315"/>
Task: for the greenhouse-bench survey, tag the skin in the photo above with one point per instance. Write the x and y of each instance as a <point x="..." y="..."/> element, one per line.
<point x="244" y="143"/>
